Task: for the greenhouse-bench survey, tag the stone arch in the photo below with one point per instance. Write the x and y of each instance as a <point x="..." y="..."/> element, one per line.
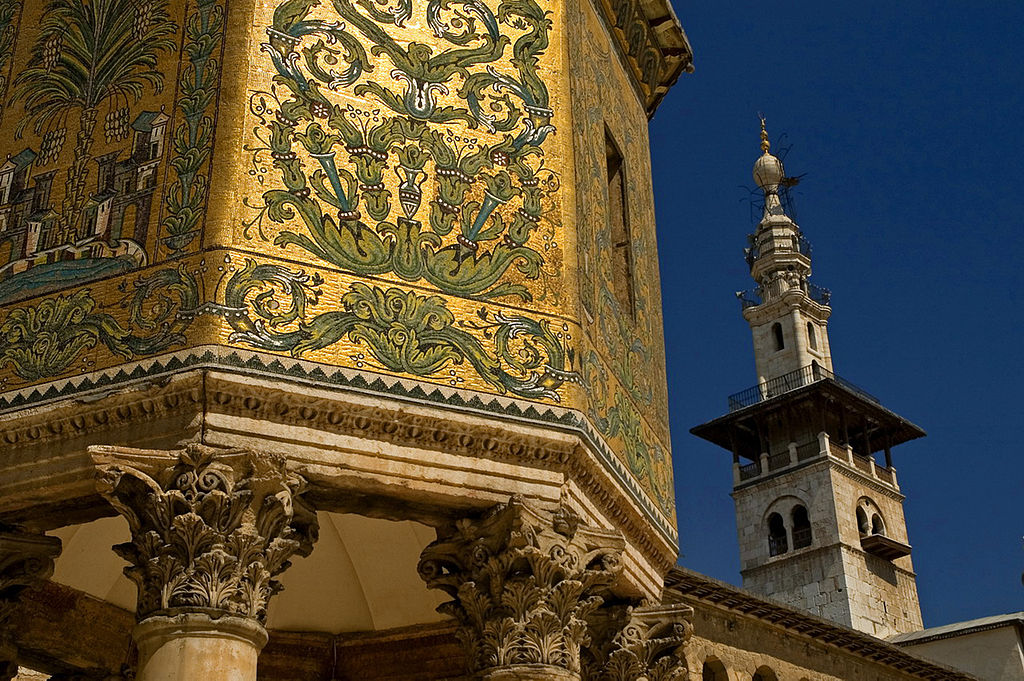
<point x="714" y="669"/>
<point x="764" y="673"/>
<point x="869" y="517"/>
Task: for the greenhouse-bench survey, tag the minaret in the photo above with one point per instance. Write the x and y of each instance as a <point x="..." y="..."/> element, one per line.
<point x="788" y="316"/>
<point x="820" y="521"/>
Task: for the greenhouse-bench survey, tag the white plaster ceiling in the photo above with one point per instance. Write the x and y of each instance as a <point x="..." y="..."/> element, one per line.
<point x="361" y="575"/>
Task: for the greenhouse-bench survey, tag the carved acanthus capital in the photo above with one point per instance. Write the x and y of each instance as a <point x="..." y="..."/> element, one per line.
<point x="644" y="642"/>
<point x="25" y="561"/>
<point x="211" y="528"/>
<point x="523" y="582"/>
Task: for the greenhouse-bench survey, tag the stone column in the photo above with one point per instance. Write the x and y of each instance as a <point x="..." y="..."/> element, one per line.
<point x="523" y="583"/>
<point x="646" y="642"/>
<point x="25" y="560"/>
<point x="211" y="528"/>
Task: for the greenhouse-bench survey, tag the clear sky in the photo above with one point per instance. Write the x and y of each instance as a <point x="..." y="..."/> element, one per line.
<point x="907" y="121"/>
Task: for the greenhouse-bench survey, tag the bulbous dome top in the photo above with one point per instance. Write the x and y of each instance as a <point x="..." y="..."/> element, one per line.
<point x="768" y="170"/>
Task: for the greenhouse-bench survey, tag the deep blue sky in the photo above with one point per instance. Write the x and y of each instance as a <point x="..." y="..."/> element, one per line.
<point x="908" y="120"/>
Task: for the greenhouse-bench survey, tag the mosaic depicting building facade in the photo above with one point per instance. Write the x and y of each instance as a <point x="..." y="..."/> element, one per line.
<point x="331" y="344"/>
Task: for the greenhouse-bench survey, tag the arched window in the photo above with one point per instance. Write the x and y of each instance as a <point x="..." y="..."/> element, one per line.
<point x="801" y="528"/>
<point x="862" y="522"/>
<point x="764" y="673"/>
<point x="877" y="526"/>
<point x="777" y="543"/>
<point x="777" y="334"/>
<point x="812" y="337"/>
<point x="714" y="670"/>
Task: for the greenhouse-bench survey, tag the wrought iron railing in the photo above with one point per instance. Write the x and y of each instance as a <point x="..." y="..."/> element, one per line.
<point x="785" y="383"/>
<point x="801" y="537"/>
<point x="818" y="294"/>
<point x="777" y="545"/>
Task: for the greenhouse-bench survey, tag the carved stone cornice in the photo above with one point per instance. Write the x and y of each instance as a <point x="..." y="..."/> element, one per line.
<point x="655" y="49"/>
<point x="644" y="642"/>
<point x="194" y="399"/>
<point x="211" y="528"/>
<point x="25" y="561"/>
<point x="523" y="582"/>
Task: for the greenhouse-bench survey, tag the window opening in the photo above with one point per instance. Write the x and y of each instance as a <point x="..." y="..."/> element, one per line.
<point x="618" y="223"/>
<point x="862" y="523"/>
<point x="777" y="543"/>
<point x="801" y="528"/>
<point x="714" y="670"/>
<point x="812" y="337"/>
<point x="777" y="333"/>
<point x="876" y="525"/>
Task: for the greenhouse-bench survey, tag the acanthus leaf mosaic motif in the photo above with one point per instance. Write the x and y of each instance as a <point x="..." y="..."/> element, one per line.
<point x="485" y="198"/>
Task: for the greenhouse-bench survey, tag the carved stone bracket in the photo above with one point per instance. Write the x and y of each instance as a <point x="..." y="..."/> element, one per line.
<point x="523" y="582"/>
<point x="211" y="528"/>
<point x="645" y="642"/>
<point x="25" y="560"/>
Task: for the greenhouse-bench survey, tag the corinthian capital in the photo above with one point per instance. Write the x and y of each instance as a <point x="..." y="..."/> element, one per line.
<point x="211" y="528"/>
<point x="523" y="582"/>
<point x="25" y="560"/>
<point x="640" y="643"/>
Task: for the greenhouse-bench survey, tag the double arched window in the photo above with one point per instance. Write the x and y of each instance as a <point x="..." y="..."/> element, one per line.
<point x="869" y="518"/>
<point x="792" y="530"/>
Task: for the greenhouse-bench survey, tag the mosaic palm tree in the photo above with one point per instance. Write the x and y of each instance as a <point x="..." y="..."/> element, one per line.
<point x="90" y="53"/>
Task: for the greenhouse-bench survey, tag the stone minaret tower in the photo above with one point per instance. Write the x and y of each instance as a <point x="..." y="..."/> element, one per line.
<point x="820" y="521"/>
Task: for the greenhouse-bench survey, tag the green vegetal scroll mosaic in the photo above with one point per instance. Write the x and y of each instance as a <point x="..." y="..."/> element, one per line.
<point x="484" y="199"/>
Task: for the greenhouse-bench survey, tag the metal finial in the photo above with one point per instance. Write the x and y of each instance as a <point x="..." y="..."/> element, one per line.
<point x="765" y="144"/>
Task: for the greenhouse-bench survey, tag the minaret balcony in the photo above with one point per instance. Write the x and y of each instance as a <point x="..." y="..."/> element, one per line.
<point x="760" y="295"/>
<point x="789" y="382"/>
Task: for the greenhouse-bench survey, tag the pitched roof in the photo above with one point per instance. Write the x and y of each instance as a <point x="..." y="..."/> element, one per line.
<point x="958" y="629"/>
<point x="702" y="588"/>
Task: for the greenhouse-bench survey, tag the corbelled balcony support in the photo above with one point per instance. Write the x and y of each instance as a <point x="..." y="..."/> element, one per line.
<point x="211" y="529"/>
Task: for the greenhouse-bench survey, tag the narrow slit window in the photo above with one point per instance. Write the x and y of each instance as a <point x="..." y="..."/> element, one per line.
<point x="780" y="343"/>
<point x="777" y="543"/>
<point x="618" y="223"/>
<point x="812" y="337"/>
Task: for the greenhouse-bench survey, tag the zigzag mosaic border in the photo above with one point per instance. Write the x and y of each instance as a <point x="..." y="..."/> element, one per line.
<point x="92" y="385"/>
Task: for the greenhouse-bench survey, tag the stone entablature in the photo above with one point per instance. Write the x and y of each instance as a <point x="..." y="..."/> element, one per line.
<point x="51" y="471"/>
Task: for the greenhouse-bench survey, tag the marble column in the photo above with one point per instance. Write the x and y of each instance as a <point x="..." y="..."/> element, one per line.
<point x="25" y="561"/>
<point x="211" y="529"/>
<point x="523" y="583"/>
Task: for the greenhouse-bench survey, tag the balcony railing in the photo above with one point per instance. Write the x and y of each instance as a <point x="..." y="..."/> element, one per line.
<point x="820" y="295"/>
<point x="785" y="383"/>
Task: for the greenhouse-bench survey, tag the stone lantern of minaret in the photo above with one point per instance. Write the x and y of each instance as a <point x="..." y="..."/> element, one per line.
<point x="820" y="521"/>
<point x="788" y="316"/>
